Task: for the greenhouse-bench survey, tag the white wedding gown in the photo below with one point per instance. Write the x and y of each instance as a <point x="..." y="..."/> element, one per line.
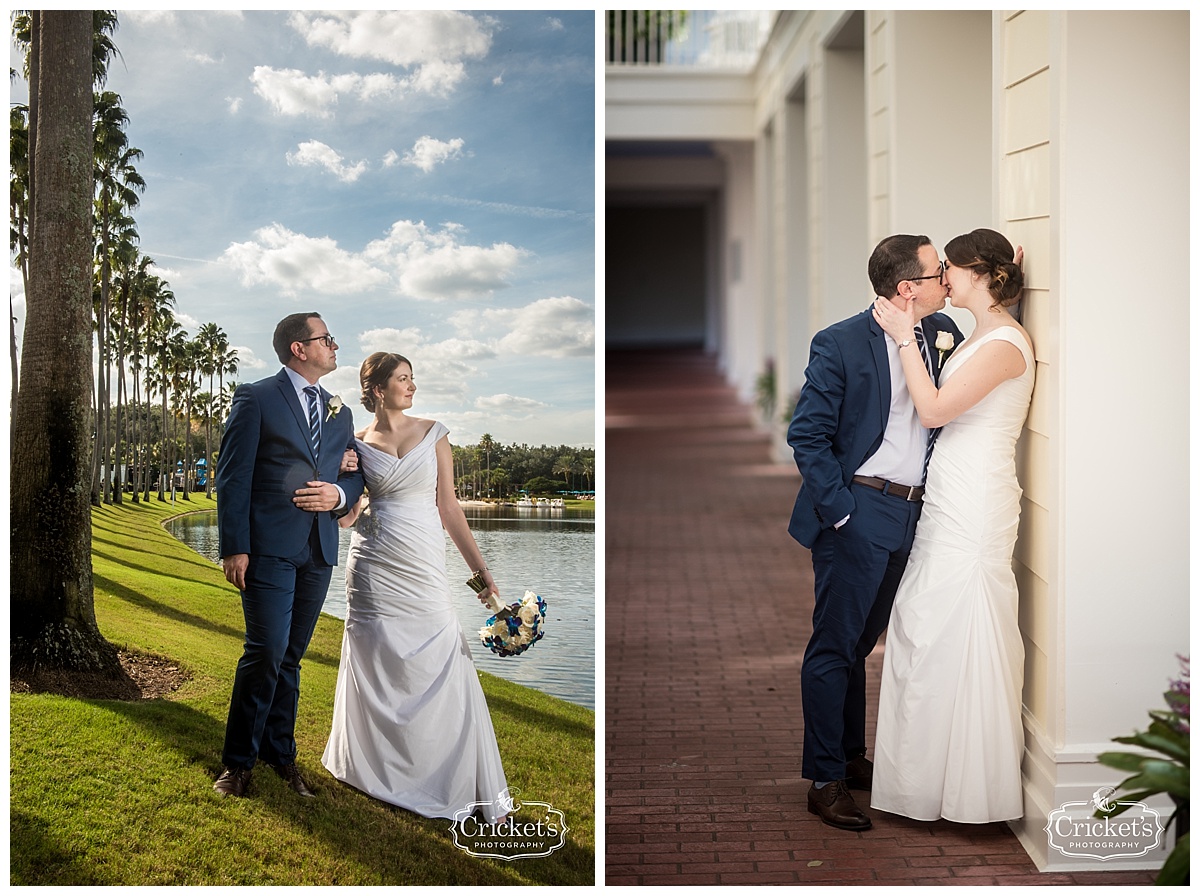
<point x="948" y="742"/>
<point x="410" y="723"/>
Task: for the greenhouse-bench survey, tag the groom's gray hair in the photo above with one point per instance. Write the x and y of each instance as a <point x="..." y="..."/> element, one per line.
<point x="292" y="328"/>
<point x="896" y="258"/>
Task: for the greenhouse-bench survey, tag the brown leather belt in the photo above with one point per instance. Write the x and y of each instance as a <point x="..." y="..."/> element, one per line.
<point x="894" y="489"/>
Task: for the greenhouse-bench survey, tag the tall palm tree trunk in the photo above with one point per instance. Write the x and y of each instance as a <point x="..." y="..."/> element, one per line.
<point x="53" y="622"/>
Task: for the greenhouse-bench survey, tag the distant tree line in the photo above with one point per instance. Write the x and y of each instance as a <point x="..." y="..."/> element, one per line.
<point x="489" y="469"/>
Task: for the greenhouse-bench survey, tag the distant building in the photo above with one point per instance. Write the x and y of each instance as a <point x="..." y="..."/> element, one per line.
<point x="752" y="162"/>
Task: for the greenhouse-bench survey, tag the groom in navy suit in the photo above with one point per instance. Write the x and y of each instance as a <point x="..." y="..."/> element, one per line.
<point x="861" y="450"/>
<point x="279" y="494"/>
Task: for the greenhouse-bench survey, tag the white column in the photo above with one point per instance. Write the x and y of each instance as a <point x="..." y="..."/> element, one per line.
<point x="1112" y="262"/>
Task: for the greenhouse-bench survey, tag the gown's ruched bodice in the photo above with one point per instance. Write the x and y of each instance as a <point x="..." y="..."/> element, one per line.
<point x="949" y="739"/>
<point x="410" y="723"/>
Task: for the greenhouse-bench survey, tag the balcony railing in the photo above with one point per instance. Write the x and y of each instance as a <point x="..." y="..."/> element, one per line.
<point x="696" y="38"/>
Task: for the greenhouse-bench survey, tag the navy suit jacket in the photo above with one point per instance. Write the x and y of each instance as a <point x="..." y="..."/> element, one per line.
<point x="841" y="416"/>
<point x="265" y="456"/>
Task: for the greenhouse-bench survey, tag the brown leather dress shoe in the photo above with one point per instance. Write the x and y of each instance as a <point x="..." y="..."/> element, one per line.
<point x="859" y="771"/>
<point x="291" y="774"/>
<point x="233" y="782"/>
<point x="835" y="806"/>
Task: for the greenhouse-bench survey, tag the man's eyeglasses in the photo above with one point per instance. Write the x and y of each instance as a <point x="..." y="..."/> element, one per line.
<point x="327" y="339"/>
<point x="937" y="276"/>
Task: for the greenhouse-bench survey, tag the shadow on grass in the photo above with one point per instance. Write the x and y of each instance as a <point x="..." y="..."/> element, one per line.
<point x="158" y="608"/>
<point x="381" y="843"/>
<point x="140" y="600"/>
<point x="36" y="853"/>
<point x="540" y="719"/>
<point x="201" y="563"/>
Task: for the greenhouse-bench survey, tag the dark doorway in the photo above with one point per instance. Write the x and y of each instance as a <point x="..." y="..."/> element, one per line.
<point x="654" y="271"/>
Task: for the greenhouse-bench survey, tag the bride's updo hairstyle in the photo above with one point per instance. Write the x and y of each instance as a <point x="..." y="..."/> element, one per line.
<point x="990" y="255"/>
<point x="375" y="372"/>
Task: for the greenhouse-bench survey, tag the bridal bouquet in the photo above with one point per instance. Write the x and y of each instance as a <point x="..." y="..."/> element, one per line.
<point x="515" y="628"/>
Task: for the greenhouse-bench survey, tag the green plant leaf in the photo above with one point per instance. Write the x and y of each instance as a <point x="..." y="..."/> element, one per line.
<point x="1175" y="869"/>
<point x="1126" y="762"/>
<point x="1160" y="776"/>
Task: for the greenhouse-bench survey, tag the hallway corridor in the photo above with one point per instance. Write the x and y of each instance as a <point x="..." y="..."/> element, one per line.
<point x="708" y="606"/>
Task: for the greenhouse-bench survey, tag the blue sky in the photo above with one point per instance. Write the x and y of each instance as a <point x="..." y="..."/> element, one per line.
<point x="424" y="180"/>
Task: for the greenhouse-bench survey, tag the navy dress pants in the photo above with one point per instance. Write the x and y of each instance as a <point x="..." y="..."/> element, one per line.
<point x="281" y="603"/>
<point x="857" y="570"/>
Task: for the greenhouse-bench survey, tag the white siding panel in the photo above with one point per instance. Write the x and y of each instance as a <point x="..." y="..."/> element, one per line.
<point x="1027" y="113"/>
<point x="1025" y="184"/>
<point x="1026" y="45"/>
<point x="1036" y="539"/>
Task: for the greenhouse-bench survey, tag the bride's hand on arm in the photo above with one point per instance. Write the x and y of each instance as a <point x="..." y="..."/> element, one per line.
<point x="896" y="322"/>
<point x="349" y="461"/>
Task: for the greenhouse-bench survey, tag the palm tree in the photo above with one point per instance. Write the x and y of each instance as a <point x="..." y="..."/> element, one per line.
<point x="487" y="444"/>
<point x="168" y="337"/>
<point x="52" y="615"/>
<point x="565" y="465"/>
<point x="213" y="344"/>
<point x="193" y="376"/>
<point x="150" y="302"/>
<point x="118" y="185"/>
<point x="587" y="466"/>
<point x="180" y="370"/>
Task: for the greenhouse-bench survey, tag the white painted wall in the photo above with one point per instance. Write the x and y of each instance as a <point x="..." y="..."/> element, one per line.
<point x="1125" y="280"/>
<point x="1093" y="140"/>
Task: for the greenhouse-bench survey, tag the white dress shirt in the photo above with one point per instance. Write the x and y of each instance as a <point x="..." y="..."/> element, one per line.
<point x="299" y="383"/>
<point x="900" y="458"/>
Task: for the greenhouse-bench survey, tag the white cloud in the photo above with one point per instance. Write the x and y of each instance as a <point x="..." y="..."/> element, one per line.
<point x="434" y="265"/>
<point x="498" y="80"/>
<point x="553" y="24"/>
<point x="401" y="37"/>
<point x="314" y="153"/>
<point x="296" y="262"/>
<point x="151" y="17"/>
<point x="508" y="403"/>
<point x="429" y="152"/>
<point x="248" y="360"/>
<point x="440" y="369"/>
<point x="391" y="159"/>
<point x="413" y="259"/>
<point x="186" y="321"/>
<point x="202" y="58"/>
<point x="235" y="104"/>
<point x="554" y="328"/>
<point x="292" y="92"/>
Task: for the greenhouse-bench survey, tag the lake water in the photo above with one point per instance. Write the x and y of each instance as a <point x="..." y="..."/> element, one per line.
<point x="550" y="552"/>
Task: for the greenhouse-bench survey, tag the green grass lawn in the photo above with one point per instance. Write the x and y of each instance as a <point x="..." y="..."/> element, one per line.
<point x="110" y="792"/>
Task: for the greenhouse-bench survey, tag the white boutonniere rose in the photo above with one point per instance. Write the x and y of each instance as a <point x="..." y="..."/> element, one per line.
<point x="945" y="342"/>
<point x="335" y="404"/>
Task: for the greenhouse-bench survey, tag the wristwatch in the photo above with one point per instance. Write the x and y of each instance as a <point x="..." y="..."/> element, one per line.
<point x="905" y="342"/>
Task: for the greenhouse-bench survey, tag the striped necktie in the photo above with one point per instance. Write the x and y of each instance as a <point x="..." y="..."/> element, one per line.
<point x="314" y="420"/>
<point x="919" y="335"/>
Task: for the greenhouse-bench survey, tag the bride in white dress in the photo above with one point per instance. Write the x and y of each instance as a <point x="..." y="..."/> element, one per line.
<point x="410" y="723"/>
<point x="948" y="742"/>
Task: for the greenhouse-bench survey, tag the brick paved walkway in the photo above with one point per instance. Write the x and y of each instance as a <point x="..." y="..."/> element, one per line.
<point x="708" y="609"/>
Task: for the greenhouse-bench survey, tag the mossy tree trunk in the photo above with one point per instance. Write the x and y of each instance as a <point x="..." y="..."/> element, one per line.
<point x="53" y="621"/>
